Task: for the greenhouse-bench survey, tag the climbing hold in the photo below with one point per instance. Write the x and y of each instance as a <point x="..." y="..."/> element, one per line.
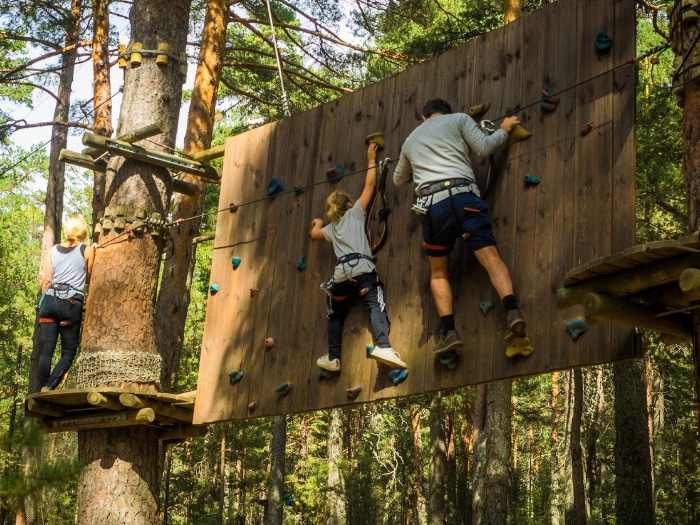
<point x="233" y="207"/>
<point x="576" y="327"/>
<point x="603" y="42"/>
<point x="518" y="345"/>
<point x="283" y="389"/>
<point x="275" y="187"/>
<point x="586" y="129"/>
<point x="477" y="112"/>
<point x="397" y="375"/>
<point x="335" y="173"/>
<point x="235" y="262"/>
<point x="234" y="376"/>
<point x="377" y="138"/>
<point x="486" y="307"/>
<point x="269" y="342"/>
<point x="325" y="374"/>
<point x="369" y="349"/>
<point x="353" y="392"/>
<point x="252" y="405"/>
<point x="518" y="134"/>
<point x="298" y="190"/>
<point x="383" y="214"/>
<point x="253" y="292"/>
<point x="213" y="288"/>
<point x="531" y="179"/>
<point x="301" y="263"/>
<point x="550" y="101"/>
<point x="449" y="359"/>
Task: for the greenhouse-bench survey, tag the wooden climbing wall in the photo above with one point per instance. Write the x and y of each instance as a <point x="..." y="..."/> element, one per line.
<point x="582" y="209"/>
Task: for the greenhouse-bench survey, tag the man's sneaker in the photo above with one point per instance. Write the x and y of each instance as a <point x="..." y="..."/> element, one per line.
<point x="447" y="342"/>
<point x="325" y="362"/>
<point x="388" y="357"/>
<point x="516" y="324"/>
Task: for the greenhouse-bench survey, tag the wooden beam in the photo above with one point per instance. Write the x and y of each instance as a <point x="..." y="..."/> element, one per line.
<point x="629" y="281"/>
<point x="39" y="408"/>
<point x="145" y="132"/>
<point x="124" y="418"/>
<point x="600" y="308"/>
<point x="97" y="399"/>
<point x="157" y="158"/>
<point x="186" y="188"/>
<point x="210" y="154"/>
<point x="160" y="408"/>
<point x="84" y="161"/>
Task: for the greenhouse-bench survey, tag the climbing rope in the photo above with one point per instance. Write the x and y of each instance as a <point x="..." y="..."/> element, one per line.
<point x="384" y="211"/>
<point x="285" y="101"/>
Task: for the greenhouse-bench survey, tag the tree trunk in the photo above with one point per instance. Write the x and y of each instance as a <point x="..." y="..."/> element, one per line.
<point x="437" y="463"/>
<point x="492" y="460"/>
<point x="278" y="444"/>
<point x="633" y="481"/>
<point x="556" y="470"/>
<point x="102" y="89"/>
<point x="174" y="297"/>
<point x="418" y="484"/>
<point x="575" y="501"/>
<point x="596" y="423"/>
<point x="336" y="489"/>
<point x="451" y="484"/>
<point x="119" y="346"/>
<point x="511" y="10"/>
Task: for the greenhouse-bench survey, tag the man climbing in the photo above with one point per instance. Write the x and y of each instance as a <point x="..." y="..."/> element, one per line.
<point x="435" y="156"/>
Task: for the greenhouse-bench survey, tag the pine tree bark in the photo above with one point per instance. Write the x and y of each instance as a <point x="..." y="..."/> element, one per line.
<point x="119" y="311"/>
<point x="575" y="500"/>
<point x="337" y="514"/>
<point x="278" y="444"/>
<point x="556" y="472"/>
<point x="102" y="100"/>
<point x="633" y="468"/>
<point x="492" y="449"/>
<point x="419" y="483"/>
<point x="437" y="464"/>
<point x="174" y="297"/>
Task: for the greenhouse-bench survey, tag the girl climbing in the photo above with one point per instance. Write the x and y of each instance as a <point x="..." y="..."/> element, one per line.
<point x="355" y="274"/>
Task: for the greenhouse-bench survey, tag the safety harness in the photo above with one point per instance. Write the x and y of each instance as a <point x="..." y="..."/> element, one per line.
<point x="58" y="288"/>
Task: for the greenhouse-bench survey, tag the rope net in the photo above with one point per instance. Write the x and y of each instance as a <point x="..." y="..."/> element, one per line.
<point x="114" y="368"/>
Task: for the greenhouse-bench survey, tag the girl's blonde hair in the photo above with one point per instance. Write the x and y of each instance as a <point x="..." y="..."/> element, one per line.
<point x="75" y="229"/>
<point x="337" y="205"/>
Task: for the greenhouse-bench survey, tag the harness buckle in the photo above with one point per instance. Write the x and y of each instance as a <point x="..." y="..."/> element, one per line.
<point x="421" y="206"/>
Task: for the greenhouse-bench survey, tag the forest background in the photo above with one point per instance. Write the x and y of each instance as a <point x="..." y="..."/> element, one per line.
<point x="413" y="460"/>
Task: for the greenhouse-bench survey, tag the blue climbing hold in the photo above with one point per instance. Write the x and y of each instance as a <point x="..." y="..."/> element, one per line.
<point x="397" y="375"/>
<point x="531" y="179"/>
<point x="235" y="262"/>
<point x="213" y="288"/>
<point x="235" y="376"/>
<point x="283" y="389"/>
<point x="550" y="101"/>
<point x="275" y="187"/>
<point x="603" y="42"/>
<point x="486" y="307"/>
<point x="301" y="263"/>
<point x="576" y="327"/>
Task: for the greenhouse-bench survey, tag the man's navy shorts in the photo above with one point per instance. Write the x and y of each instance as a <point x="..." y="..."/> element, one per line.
<point x="463" y="215"/>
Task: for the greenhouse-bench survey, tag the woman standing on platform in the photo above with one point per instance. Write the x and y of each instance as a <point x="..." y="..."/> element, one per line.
<point x="66" y="273"/>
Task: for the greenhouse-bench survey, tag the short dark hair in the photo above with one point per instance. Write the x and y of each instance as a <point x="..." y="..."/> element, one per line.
<point x="437" y="105"/>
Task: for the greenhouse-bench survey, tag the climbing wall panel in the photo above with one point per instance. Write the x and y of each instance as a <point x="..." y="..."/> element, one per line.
<point x="582" y="209"/>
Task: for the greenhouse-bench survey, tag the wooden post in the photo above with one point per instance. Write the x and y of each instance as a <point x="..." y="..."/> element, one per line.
<point x="82" y="160"/>
<point x="599" y="308"/>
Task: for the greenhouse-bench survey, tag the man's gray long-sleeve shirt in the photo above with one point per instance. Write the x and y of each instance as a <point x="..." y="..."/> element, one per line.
<point x="439" y="149"/>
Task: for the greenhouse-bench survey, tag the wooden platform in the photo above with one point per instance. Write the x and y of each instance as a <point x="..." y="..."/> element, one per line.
<point x="654" y="285"/>
<point x="93" y="408"/>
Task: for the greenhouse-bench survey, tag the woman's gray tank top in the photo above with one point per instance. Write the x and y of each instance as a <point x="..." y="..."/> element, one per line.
<point x="69" y="271"/>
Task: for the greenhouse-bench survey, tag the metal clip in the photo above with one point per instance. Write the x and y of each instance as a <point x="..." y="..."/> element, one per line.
<point x="487" y="126"/>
